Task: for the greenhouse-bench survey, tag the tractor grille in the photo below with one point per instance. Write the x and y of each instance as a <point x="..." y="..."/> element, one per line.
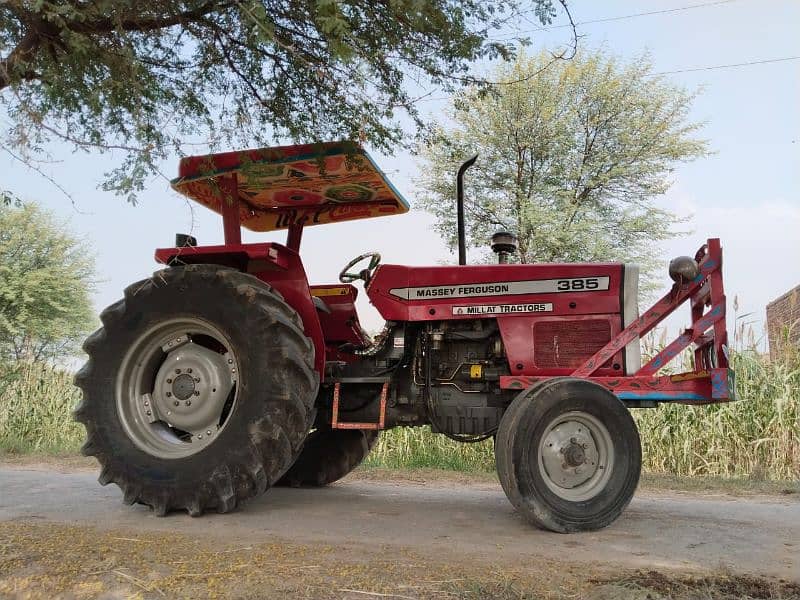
<point x="567" y="344"/>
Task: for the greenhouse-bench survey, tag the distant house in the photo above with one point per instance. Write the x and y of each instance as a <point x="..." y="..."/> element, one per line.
<point x="783" y="322"/>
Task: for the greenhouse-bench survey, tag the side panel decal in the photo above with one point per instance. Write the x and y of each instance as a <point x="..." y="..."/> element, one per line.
<point x="503" y="288"/>
<point x="502" y="309"/>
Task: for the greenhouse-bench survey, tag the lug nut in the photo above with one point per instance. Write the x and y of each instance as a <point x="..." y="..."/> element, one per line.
<point x="177" y="371"/>
<point x="169" y="380"/>
<point x="197" y="392"/>
<point x="146" y="403"/>
<point x="149" y="413"/>
<point x="230" y="361"/>
<point x="208" y="432"/>
<point x="169" y="394"/>
<point x="176" y="403"/>
<point x="188" y="370"/>
<point x="188" y="403"/>
<point x="197" y="380"/>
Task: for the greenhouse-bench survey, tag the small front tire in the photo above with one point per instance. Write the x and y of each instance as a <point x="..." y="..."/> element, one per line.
<point x="568" y="455"/>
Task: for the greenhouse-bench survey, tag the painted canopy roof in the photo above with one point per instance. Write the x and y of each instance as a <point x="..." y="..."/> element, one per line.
<point x="307" y="184"/>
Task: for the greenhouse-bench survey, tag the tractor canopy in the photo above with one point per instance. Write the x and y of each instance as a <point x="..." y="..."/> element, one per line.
<point x="279" y="187"/>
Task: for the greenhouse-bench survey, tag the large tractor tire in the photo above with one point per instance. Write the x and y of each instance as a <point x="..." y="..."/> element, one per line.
<point x="328" y="455"/>
<point x="568" y="455"/>
<point x="199" y="390"/>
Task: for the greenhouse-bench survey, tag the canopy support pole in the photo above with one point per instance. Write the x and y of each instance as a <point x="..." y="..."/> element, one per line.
<point x="294" y="236"/>
<point x="229" y="207"/>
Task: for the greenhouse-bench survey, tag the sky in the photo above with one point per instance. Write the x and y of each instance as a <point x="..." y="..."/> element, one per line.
<point x="747" y="193"/>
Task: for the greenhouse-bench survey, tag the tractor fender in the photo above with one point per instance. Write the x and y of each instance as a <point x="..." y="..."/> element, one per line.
<point x="275" y="265"/>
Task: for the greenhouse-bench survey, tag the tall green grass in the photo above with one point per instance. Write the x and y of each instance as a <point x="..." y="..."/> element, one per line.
<point x="756" y="437"/>
<point x="36" y="403"/>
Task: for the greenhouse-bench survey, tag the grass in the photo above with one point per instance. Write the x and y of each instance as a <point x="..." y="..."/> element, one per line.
<point x="48" y="560"/>
<point x="756" y="438"/>
<point x="654" y="585"/>
<point x="36" y="403"/>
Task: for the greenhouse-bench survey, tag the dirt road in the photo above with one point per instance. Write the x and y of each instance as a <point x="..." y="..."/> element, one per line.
<point x="659" y="530"/>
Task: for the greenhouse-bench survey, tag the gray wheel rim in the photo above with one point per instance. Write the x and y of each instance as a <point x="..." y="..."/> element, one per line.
<point x="576" y="456"/>
<point x="176" y="388"/>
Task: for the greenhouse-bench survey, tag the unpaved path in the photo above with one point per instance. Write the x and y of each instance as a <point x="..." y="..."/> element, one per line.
<point x="659" y="530"/>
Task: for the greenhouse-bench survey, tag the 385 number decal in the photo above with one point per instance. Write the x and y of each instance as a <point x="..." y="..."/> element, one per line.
<point x="578" y="285"/>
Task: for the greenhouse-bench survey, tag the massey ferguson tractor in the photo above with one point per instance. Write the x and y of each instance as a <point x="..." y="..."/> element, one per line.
<point x="227" y="373"/>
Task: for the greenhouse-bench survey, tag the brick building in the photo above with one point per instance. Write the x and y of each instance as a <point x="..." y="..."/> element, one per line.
<point x="783" y="319"/>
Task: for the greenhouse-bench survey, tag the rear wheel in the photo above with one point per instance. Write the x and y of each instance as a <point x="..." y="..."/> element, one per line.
<point x="199" y="389"/>
<point x="568" y="455"/>
<point x="328" y="455"/>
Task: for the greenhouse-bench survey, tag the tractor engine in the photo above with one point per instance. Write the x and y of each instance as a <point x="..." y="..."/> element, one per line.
<point x="462" y="361"/>
<point x="445" y="374"/>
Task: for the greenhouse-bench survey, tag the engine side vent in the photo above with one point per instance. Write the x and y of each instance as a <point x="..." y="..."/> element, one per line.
<point x="567" y="344"/>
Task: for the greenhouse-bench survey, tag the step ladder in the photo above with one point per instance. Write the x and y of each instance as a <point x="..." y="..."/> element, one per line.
<point x="336" y="424"/>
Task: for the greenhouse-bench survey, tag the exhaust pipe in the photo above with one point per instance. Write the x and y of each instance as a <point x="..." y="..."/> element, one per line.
<point x="462" y="242"/>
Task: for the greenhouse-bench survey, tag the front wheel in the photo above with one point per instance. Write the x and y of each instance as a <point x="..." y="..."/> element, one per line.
<point x="568" y="455"/>
<point x="199" y="390"/>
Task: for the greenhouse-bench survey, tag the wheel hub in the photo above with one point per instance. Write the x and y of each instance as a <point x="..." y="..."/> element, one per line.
<point x="183" y="387"/>
<point x="191" y="388"/>
<point x="575" y="456"/>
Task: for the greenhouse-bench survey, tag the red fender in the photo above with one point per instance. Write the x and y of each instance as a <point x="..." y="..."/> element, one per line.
<point x="272" y="263"/>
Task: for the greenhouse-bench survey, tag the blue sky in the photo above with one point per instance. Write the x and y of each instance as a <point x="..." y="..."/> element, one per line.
<point x="747" y="193"/>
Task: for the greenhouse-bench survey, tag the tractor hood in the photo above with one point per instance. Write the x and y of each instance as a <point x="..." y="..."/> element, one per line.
<point x="309" y="184"/>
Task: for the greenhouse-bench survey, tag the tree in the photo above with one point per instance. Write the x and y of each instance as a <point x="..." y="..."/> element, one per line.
<point x="572" y="157"/>
<point x="141" y="75"/>
<point x="46" y="277"/>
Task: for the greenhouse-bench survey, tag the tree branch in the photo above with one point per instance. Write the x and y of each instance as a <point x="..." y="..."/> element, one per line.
<point x="18" y="56"/>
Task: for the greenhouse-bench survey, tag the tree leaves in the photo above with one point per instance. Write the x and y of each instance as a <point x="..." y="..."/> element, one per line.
<point x="142" y="76"/>
<point x="45" y="283"/>
<point x="572" y="158"/>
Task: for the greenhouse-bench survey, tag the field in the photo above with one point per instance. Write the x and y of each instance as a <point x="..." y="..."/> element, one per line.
<point x="757" y="437"/>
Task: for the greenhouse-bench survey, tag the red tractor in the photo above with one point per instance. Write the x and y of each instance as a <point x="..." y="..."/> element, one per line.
<point x="226" y="373"/>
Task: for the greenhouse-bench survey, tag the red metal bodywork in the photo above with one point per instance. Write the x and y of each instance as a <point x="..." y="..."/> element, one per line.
<point x="527" y="301"/>
<point x="516" y="329"/>
<point x="340" y="324"/>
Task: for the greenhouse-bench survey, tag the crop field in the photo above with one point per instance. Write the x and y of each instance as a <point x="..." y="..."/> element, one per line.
<point x="757" y="437"/>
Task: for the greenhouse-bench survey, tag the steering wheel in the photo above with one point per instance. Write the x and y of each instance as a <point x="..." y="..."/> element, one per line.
<point x="366" y="274"/>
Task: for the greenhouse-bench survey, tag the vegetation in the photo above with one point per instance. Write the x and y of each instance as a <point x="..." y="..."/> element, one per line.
<point x="36" y="403"/>
<point x="143" y="77"/>
<point x="572" y="156"/>
<point x="757" y="437"/>
<point x="46" y="278"/>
